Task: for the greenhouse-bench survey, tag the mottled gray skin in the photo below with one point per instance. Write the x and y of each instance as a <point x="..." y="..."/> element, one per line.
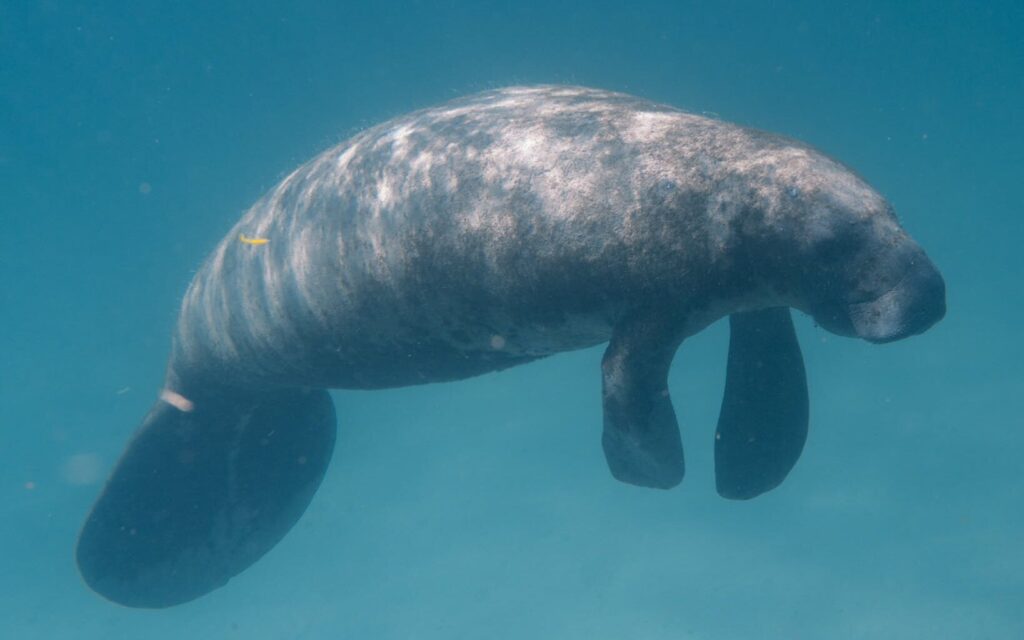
<point x="482" y="234"/>
<point x="523" y="222"/>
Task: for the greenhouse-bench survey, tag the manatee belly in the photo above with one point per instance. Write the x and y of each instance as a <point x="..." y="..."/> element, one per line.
<point x="373" y="341"/>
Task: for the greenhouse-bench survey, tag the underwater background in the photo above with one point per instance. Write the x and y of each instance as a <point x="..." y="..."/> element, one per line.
<point x="133" y="135"/>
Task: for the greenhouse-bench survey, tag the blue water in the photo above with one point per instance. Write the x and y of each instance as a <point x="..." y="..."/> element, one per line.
<point x="133" y="136"/>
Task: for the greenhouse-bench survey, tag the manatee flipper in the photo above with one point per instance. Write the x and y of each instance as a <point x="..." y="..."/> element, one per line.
<point x="641" y="438"/>
<point x="762" y="426"/>
<point x="200" y="495"/>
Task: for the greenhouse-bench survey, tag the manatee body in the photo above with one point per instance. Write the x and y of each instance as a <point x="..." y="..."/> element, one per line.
<point x="475" y="236"/>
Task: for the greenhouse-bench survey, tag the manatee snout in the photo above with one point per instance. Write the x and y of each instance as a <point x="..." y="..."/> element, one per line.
<point x="916" y="303"/>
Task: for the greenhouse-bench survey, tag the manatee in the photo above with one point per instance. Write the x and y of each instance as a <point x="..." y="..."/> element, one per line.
<point x="486" y="233"/>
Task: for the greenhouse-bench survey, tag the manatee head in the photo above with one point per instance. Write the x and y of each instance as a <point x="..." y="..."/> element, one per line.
<point x="845" y="259"/>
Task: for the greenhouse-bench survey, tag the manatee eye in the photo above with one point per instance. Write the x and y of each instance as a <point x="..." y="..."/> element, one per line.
<point x="830" y="260"/>
<point x="837" y="247"/>
<point x="831" y="248"/>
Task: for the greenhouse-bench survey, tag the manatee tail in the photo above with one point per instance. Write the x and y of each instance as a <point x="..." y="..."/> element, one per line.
<point x="203" y="491"/>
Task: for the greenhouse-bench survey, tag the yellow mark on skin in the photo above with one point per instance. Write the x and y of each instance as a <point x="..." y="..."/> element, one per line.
<point x="253" y="241"/>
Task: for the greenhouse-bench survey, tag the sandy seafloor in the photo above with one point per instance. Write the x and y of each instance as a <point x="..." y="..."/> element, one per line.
<point x="132" y="137"/>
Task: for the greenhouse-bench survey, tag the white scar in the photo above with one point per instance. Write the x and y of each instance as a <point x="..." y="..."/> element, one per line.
<point x="176" y="400"/>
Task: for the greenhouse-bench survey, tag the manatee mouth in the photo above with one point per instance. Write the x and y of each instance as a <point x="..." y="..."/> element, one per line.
<point x="911" y="307"/>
